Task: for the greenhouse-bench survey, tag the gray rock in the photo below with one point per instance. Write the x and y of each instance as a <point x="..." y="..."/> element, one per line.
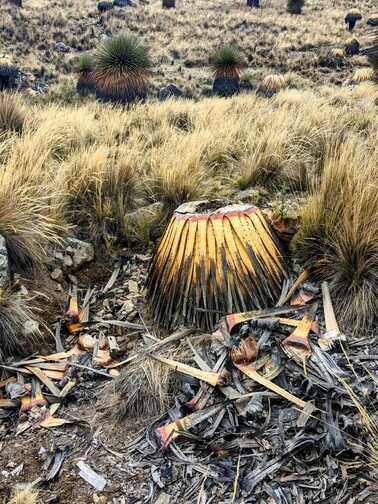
<point x="250" y="195"/>
<point x="4" y="263"/>
<point x="82" y="252"/>
<point x="122" y="3"/>
<point x="56" y="274"/>
<point x="146" y="212"/>
<point x="171" y="91"/>
<point x="62" y="47"/>
<point x="67" y="261"/>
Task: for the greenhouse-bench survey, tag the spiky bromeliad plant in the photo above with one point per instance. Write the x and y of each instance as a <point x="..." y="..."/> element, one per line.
<point x="85" y="66"/>
<point x="121" y="70"/>
<point x="227" y="64"/>
<point x="295" y="6"/>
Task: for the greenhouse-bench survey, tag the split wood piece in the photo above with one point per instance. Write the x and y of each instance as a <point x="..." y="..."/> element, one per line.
<point x="297" y="283"/>
<point x="121" y="323"/>
<point x="297" y="345"/>
<point x="5" y="382"/>
<point x="88" y="368"/>
<point x="198" y="359"/>
<point x="209" y="377"/>
<point x="25" y="403"/>
<point x="8" y="403"/>
<point x="67" y="388"/>
<point x="84" y="315"/>
<point x="58" y="338"/>
<point x="84" y="312"/>
<point x="114" y="349"/>
<point x="112" y="279"/>
<point x="231" y="321"/>
<point x="255" y="376"/>
<point x="60" y="355"/>
<point x="50" y="374"/>
<point x="182" y="333"/>
<point x="37" y="398"/>
<point x="72" y="313"/>
<point x="333" y="332"/>
<point x="295" y="323"/>
<point x="171" y="431"/>
<point x="55" y="375"/>
<point x="200" y="400"/>
<point x="45" y="380"/>
<point x="50" y="366"/>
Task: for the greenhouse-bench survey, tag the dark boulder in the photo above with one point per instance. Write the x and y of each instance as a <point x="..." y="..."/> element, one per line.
<point x="171" y="91"/>
<point x="226" y="86"/>
<point x="253" y="3"/>
<point x="8" y="77"/>
<point x="17" y="3"/>
<point x="372" y="21"/>
<point x="122" y="3"/>
<point x="169" y="4"/>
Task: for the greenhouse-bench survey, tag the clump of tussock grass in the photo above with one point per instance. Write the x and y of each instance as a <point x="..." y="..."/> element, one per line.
<point x="146" y="389"/>
<point x="12" y="113"/>
<point x="272" y="84"/>
<point x="15" y="312"/>
<point x="340" y="228"/>
<point x="27" y="224"/>
<point x="99" y="186"/>
<point x="27" y="495"/>
<point x="121" y="69"/>
<point x="363" y="75"/>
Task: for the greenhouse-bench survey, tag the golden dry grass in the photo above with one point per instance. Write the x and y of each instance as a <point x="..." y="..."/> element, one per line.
<point x="340" y="228"/>
<point x="363" y="75"/>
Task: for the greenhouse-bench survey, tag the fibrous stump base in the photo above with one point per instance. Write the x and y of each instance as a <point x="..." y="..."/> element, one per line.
<point x="214" y="260"/>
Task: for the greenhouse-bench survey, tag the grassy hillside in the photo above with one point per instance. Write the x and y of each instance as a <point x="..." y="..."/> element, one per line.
<point x="182" y="40"/>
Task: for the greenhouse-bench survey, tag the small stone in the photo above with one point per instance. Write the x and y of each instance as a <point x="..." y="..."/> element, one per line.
<point x="170" y="91"/>
<point x="56" y="274"/>
<point x="72" y="279"/>
<point x="62" y="47"/>
<point x="68" y="262"/>
<point x="83" y="252"/>
<point x="59" y="256"/>
<point x="58" y="287"/>
<point x="249" y="196"/>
